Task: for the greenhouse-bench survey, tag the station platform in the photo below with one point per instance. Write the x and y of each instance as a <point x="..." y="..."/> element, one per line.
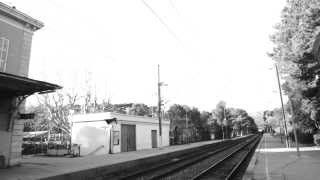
<point x="43" y="167"/>
<point x="273" y="161"/>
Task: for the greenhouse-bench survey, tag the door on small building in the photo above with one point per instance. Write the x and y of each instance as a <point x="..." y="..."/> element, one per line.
<point x="154" y="138"/>
<point x="128" y="137"/>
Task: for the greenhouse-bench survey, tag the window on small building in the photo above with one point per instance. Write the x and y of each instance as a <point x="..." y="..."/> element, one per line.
<point x="116" y="137"/>
<point x="4" y="47"/>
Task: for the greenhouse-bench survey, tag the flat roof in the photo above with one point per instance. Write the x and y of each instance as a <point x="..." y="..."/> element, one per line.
<point x="93" y="117"/>
<point x="13" y="85"/>
<point x="19" y="16"/>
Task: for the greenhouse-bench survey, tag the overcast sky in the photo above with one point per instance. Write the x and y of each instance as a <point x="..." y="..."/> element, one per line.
<point x="207" y="50"/>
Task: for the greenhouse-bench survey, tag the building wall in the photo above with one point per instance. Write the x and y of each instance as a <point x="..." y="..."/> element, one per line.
<point x="20" y="39"/>
<point x="165" y="135"/>
<point x="116" y="148"/>
<point x="17" y="63"/>
<point x="18" y="29"/>
<point x="144" y="126"/>
<point x="93" y="137"/>
<point x="5" y="135"/>
<point x="144" y="138"/>
<point x="16" y="142"/>
<point x="143" y="135"/>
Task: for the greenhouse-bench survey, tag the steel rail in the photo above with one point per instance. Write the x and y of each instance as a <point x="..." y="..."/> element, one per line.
<point x="174" y="165"/>
<point x="242" y="160"/>
<point x="191" y="162"/>
<point x="229" y="155"/>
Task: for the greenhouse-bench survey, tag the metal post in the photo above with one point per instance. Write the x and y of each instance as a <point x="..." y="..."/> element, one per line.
<point x="186" y="119"/>
<point x="159" y="106"/>
<point x="283" y="112"/>
<point x="110" y="140"/>
<point x="225" y="119"/>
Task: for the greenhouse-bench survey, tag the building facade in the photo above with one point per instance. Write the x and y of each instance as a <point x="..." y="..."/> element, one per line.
<point x="16" y="31"/>
<point x="103" y="133"/>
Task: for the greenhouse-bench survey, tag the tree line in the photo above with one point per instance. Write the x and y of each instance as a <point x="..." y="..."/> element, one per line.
<point x="296" y="52"/>
<point x="52" y="112"/>
<point x="189" y="124"/>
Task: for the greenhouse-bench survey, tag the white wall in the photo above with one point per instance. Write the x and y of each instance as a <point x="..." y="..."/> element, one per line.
<point x="165" y="135"/>
<point x="90" y="136"/>
<point x="116" y="148"/>
<point x="143" y="135"/>
<point x="91" y="131"/>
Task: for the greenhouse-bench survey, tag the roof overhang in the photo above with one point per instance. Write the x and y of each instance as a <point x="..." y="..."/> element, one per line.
<point x="12" y="12"/>
<point x="13" y="85"/>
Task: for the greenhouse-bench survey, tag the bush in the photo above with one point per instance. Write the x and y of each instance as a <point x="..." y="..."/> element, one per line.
<point x="33" y="148"/>
<point x="303" y="138"/>
<point x="316" y="139"/>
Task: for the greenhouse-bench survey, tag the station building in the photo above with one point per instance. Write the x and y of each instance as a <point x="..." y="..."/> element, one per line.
<point x="104" y="133"/>
<point x="16" y="31"/>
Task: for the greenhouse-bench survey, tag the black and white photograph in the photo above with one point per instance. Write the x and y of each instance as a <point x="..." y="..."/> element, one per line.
<point x="159" y="90"/>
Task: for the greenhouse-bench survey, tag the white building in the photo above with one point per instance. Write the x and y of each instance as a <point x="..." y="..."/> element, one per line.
<point x="97" y="132"/>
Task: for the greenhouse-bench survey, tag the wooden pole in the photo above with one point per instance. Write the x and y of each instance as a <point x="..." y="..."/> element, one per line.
<point x="159" y="107"/>
<point x="283" y="112"/>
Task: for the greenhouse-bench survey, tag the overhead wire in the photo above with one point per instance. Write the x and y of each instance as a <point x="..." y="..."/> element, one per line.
<point x="161" y="21"/>
<point x="172" y="32"/>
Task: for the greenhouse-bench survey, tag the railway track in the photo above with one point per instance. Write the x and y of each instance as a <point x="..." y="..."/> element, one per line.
<point x="221" y="161"/>
<point x="229" y="166"/>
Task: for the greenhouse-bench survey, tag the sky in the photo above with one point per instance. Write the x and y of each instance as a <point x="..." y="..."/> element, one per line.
<point x="207" y="50"/>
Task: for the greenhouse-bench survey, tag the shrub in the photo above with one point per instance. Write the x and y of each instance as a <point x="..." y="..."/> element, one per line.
<point x="316" y="139"/>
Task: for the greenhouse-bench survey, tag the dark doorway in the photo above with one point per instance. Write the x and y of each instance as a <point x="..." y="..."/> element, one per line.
<point x="128" y="137"/>
<point x="154" y="138"/>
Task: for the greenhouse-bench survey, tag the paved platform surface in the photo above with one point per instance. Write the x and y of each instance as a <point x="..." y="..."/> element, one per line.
<point x="41" y="167"/>
<point x="273" y="161"/>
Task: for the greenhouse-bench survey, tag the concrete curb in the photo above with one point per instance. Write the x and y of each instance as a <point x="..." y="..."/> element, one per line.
<point x="253" y="162"/>
<point x="108" y="171"/>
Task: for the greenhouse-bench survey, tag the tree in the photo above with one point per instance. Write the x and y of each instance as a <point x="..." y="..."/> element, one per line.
<point x="220" y="115"/>
<point x="235" y="117"/>
<point x="177" y="116"/>
<point x="298" y="60"/>
<point x="40" y="120"/>
<point x="189" y="121"/>
<point x="140" y="110"/>
<point x="203" y="126"/>
<point x="51" y="113"/>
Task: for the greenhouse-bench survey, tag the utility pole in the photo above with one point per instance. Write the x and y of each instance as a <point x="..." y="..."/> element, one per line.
<point x="283" y="112"/>
<point x="226" y="121"/>
<point x="159" y="106"/>
<point x="186" y="119"/>
<point x="222" y="124"/>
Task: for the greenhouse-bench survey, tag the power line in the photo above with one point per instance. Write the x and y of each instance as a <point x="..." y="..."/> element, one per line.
<point x="174" y="7"/>
<point x="161" y="21"/>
